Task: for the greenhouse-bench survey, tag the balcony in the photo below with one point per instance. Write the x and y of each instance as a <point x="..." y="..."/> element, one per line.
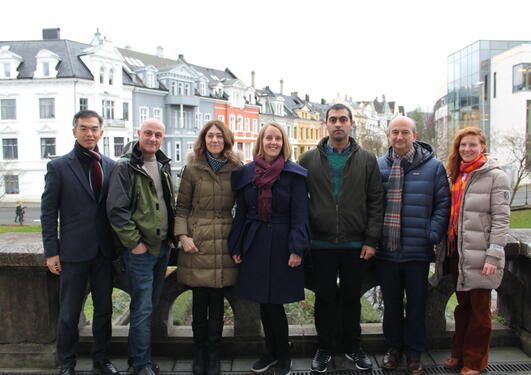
<point x="110" y="123"/>
<point x="192" y="101"/>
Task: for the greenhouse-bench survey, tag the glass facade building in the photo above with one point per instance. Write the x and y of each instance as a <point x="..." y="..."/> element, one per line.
<point x="468" y="84"/>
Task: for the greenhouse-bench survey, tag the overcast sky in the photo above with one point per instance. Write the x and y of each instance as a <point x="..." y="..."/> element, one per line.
<point x="321" y="48"/>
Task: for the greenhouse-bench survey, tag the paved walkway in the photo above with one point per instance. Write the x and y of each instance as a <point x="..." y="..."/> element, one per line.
<point x="243" y="364"/>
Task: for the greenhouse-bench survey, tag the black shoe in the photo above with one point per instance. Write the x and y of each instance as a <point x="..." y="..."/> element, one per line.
<point x="391" y="359"/>
<point x="320" y="360"/>
<point x="283" y="367"/>
<point x="264" y="363"/>
<point x="360" y="359"/>
<point x="67" y="371"/>
<point x="106" y="367"/>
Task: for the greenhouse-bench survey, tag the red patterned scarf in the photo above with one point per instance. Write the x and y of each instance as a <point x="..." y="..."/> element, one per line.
<point x="265" y="175"/>
<point x="458" y="188"/>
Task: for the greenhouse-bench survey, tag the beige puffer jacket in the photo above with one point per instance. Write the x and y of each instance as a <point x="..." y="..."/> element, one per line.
<point x="204" y="212"/>
<point x="483" y="226"/>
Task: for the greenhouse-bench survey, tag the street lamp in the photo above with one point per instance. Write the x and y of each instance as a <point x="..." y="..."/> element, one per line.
<point x="481" y="85"/>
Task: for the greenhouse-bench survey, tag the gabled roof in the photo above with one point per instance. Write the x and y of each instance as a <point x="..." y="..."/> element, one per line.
<point x="68" y="51"/>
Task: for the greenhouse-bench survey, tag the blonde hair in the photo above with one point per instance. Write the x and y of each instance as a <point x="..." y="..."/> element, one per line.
<point x="259" y="145"/>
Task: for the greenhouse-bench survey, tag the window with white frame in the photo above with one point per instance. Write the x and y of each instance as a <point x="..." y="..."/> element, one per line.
<point x="177" y="151"/>
<point x="240" y="123"/>
<point x="106" y="147"/>
<point x="125" y="111"/>
<point x="143" y="114"/>
<point x="11" y="184"/>
<point x="173" y="88"/>
<point x="190" y="146"/>
<point x="47" y="108"/>
<point x="221" y="118"/>
<point x="46" y="69"/>
<point x="102" y="74"/>
<point x="255" y="125"/>
<point x="47" y="147"/>
<point x="10" y="148"/>
<point x="83" y="104"/>
<point x="202" y="88"/>
<point x="111" y="76"/>
<point x="232" y="122"/>
<point x="207" y="117"/>
<point x="107" y="109"/>
<point x="198" y="117"/>
<point x="7" y="70"/>
<point x="247" y="124"/>
<point x="157" y="113"/>
<point x="180" y="89"/>
<point x="187" y="89"/>
<point x="8" y="109"/>
<point x="118" y="146"/>
<point x="247" y="150"/>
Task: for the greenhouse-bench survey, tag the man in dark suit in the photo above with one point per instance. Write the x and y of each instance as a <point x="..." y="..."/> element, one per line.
<point x="75" y="191"/>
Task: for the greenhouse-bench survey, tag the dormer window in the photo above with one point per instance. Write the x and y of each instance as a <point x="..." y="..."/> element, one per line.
<point x="111" y="76"/>
<point x="9" y="63"/>
<point x="102" y="74"/>
<point x="47" y="63"/>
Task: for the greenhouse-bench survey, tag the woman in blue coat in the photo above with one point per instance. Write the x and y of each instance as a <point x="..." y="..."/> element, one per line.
<point x="269" y="237"/>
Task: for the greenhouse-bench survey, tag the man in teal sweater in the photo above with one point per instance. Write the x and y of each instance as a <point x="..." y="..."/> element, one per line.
<point x="346" y="216"/>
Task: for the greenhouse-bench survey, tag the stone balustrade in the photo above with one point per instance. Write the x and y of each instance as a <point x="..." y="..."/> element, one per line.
<point x="29" y="307"/>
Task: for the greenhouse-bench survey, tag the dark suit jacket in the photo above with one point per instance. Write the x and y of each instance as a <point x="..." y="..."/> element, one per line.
<point x="83" y="224"/>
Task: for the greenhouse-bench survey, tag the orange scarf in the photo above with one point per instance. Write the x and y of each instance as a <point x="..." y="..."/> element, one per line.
<point x="458" y="188"/>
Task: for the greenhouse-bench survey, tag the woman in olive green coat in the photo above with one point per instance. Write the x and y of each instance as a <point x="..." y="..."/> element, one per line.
<point x="202" y="223"/>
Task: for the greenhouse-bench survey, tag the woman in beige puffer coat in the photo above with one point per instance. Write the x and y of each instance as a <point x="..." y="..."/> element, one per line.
<point x="476" y="238"/>
<point x="202" y="223"/>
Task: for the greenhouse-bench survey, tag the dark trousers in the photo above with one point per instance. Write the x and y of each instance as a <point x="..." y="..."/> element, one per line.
<point x="337" y="308"/>
<point x="207" y="314"/>
<point x="275" y="325"/>
<point x="72" y="287"/>
<point x="407" y="334"/>
<point x="473" y="324"/>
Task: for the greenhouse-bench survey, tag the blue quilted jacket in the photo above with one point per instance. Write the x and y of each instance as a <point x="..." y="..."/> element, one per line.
<point x="425" y="205"/>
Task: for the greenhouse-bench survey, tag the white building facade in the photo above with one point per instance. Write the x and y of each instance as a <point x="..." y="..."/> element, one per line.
<point x="42" y="85"/>
<point x="510" y="108"/>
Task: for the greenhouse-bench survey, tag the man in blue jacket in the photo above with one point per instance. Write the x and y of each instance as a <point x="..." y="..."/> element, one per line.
<point x="75" y="192"/>
<point x="417" y="208"/>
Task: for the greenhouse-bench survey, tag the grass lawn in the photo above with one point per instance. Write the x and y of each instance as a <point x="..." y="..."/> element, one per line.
<point x="20" y="228"/>
<point x="521" y="219"/>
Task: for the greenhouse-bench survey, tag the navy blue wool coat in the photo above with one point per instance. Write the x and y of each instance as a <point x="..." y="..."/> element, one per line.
<point x="265" y="247"/>
<point x="425" y="206"/>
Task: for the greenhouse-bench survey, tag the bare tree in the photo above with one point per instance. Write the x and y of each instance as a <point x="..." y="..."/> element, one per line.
<point x="516" y="151"/>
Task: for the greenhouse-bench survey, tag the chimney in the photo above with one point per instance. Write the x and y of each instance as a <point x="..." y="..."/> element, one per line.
<point x="323" y="101"/>
<point x="294" y="93"/>
<point x="253" y="74"/>
<point x="281" y="86"/>
<point x="181" y="56"/>
<point x="383" y="98"/>
<point x="307" y="97"/>
<point x="51" y="34"/>
<point x="160" y="51"/>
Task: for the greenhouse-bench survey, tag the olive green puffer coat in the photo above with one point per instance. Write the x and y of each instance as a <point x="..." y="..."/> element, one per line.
<point x="204" y="213"/>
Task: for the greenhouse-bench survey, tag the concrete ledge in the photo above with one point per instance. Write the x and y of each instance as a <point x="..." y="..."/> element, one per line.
<point x="21" y="250"/>
<point x="27" y="356"/>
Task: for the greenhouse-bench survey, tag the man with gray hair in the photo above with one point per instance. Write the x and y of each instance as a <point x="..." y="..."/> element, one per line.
<point x="140" y="207"/>
<point x="417" y="208"/>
